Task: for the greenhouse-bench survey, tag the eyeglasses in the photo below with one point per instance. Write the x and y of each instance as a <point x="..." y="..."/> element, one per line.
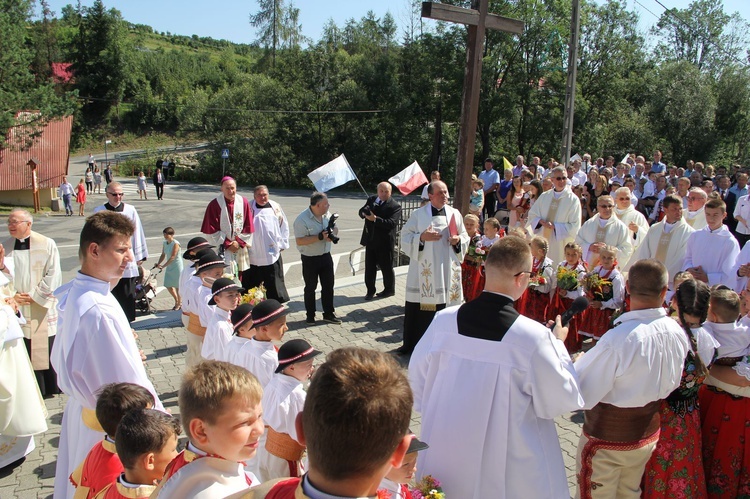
<point x="524" y="272"/>
<point x="118" y="194"/>
<point x="561" y="178"/>
<point x="16" y="222"/>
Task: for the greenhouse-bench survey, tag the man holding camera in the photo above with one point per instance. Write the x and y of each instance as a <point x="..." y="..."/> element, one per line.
<point x="314" y="231"/>
<point x="381" y="214"/>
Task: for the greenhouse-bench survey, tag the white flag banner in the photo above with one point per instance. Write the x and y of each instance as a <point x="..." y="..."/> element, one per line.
<point x="625" y="159"/>
<point x="332" y="174"/>
<point x="576" y="157"/>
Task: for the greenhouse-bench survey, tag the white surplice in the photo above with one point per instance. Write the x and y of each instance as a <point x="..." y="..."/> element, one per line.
<point x="218" y="333"/>
<point x="615" y="234"/>
<point x="140" y="247"/>
<point x="639" y="361"/>
<point x="259" y="357"/>
<point x="742" y="259"/>
<point x="488" y="409"/>
<point x="434" y="275"/>
<point x="628" y="216"/>
<point x="95" y="346"/>
<point x="680" y="231"/>
<point x="716" y="252"/>
<point x="271" y="234"/>
<point x="567" y="221"/>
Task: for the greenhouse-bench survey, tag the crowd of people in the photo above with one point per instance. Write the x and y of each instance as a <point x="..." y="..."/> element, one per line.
<point x="658" y="361"/>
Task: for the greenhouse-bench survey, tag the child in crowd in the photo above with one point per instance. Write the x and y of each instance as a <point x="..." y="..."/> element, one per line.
<point x="536" y="300"/>
<point x="252" y="348"/>
<point x="395" y="483"/>
<point x="194" y="250"/>
<point x="570" y="274"/>
<point x="81" y="197"/>
<point x="605" y="287"/>
<point x="492" y="233"/>
<point x="102" y="465"/>
<point x="173" y="265"/>
<point x="221" y="415"/>
<point x="472" y="278"/>
<point x="225" y="296"/>
<point x="283" y="400"/>
<point x="355" y="425"/>
<point x="476" y="199"/>
<point x="146" y="444"/>
<point x="208" y="268"/>
<point x="733" y="337"/>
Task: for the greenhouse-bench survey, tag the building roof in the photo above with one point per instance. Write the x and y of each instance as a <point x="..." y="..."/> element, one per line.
<point x="50" y="147"/>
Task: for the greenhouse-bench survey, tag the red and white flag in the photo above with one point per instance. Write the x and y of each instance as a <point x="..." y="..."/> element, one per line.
<point x="409" y="178"/>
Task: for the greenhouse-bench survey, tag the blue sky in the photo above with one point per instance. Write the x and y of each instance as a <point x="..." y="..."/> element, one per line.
<point x="228" y="19"/>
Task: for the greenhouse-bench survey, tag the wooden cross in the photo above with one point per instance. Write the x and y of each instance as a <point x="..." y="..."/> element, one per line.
<point x="478" y="21"/>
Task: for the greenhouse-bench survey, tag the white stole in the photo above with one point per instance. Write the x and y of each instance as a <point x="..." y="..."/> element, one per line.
<point x="231" y="227"/>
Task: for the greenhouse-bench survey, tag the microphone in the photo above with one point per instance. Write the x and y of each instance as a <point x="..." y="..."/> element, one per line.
<point x="579" y="305"/>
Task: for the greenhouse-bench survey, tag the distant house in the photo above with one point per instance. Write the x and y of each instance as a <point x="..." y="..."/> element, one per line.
<point x="49" y="145"/>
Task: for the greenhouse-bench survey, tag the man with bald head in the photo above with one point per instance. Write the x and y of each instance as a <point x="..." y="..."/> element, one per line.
<point x="696" y="214"/>
<point x="124" y="291"/>
<point x="228" y="223"/>
<point x="435" y="241"/>
<point x="381" y="214"/>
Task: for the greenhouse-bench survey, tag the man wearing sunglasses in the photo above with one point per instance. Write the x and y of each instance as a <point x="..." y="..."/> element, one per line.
<point x="124" y="291"/>
<point x="556" y="215"/>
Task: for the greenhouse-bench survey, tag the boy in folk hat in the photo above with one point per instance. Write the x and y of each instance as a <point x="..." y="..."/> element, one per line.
<point x="193" y="252"/>
<point x="395" y="482"/>
<point x="208" y="268"/>
<point x="283" y="400"/>
<point x="225" y="296"/>
<point x="256" y="352"/>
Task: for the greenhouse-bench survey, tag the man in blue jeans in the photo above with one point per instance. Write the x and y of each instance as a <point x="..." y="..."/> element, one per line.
<point x="65" y="191"/>
<point x="314" y="244"/>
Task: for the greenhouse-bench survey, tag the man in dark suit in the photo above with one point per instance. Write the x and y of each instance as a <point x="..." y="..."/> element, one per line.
<point x="381" y="214"/>
<point x="159" y="183"/>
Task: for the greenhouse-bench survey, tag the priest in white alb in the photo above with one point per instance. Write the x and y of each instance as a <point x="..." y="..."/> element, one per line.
<point x="604" y="229"/>
<point x="489" y="384"/>
<point x="556" y="215"/>
<point x="37" y="274"/>
<point x="712" y="252"/>
<point x="22" y="410"/>
<point x="436" y="241"/>
<point x="633" y="220"/>
<point x="228" y="223"/>
<point x="696" y="214"/>
<point x="95" y="344"/>
<point x="666" y="241"/>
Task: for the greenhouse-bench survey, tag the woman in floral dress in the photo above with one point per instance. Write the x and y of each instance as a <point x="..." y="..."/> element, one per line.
<point x="675" y="469"/>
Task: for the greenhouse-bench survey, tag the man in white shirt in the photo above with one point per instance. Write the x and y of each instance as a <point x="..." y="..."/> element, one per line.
<point x="270" y="238"/>
<point x="491" y="179"/>
<point x="578" y="174"/>
<point x="124" y="292"/>
<point x="500" y="441"/>
<point x="696" y="201"/>
<point x="623" y="379"/>
<point x="712" y="252"/>
<point x="520" y="167"/>
<point x="95" y="345"/>
<point x="65" y="191"/>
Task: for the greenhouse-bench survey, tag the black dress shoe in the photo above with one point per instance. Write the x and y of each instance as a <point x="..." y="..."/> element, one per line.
<point x="331" y="319"/>
<point x="310" y="319"/>
<point x="369" y="296"/>
<point x="386" y="294"/>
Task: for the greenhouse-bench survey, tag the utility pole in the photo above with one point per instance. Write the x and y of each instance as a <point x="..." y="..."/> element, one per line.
<point x="570" y="88"/>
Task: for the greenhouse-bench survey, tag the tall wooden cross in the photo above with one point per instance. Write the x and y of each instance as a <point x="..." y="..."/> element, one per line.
<point x="478" y="20"/>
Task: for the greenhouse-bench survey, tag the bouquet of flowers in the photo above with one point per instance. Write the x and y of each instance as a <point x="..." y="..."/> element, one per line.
<point x="476" y="252"/>
<point x="537" y="280"/>
<point x="428" y="488"/>
<point x="597" y="288"/>
<point x="254" y="295"/>
<point x="567" y="279"/>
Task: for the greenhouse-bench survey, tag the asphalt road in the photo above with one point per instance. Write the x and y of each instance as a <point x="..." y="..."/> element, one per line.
<point x="182" y="209"/>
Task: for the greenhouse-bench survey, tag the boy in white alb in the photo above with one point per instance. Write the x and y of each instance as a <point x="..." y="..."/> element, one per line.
<point x="733" y="337"/>
<point x="252" y="348"/>
<point x="712" y="251"/>
<point x="225" y="296"/>
<point x="195" y="246"/>
<point x="283" y="401"/>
